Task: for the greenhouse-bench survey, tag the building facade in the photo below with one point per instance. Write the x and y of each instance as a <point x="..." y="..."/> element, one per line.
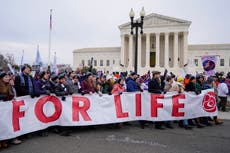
<point x="163" y="45"/>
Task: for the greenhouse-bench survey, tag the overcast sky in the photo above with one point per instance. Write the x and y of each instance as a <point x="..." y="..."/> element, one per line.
<point x="24" y="24"/>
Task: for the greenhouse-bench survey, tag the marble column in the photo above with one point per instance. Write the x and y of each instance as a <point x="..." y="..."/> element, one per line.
<point x="166" y="50"/>
<point x="175" y="55"/>
<point x="139" y="52"/>
<point x="123" y="50"/>
<point x="157" y="50"/>
<point x="130" y="51"/>
<point x="185" y="47"/>
<point x="147" y="60"/>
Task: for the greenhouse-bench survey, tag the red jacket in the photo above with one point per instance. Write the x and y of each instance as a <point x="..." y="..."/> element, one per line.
<point x="117" y="88"/>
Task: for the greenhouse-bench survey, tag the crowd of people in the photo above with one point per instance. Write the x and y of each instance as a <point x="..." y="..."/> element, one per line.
<point x="74" y="82"/>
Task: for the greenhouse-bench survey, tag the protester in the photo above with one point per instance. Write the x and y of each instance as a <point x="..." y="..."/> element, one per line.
<point x="61" y="90"/>
<point x="107" y="85"/>
<point x="132" y="85"/>
<point x="53" y="82"/>
<point x="154" y="86"/>
<point x="89" y="85"/>
<point x="42" y="85"/>
<point x="24" y="83"/>
<point x="7" y="94"/>
<point x="222" y="94"/>
<point x="191" y="87"/>
<point x="210" y="84"/>
<point x="72" y="83"/>
<point x="118" y="87"/>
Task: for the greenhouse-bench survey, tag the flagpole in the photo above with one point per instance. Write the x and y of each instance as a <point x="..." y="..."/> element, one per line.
<point x="50" y="39"/>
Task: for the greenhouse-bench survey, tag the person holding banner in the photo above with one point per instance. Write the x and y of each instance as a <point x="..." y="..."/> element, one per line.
<point x="209" y="84"/>
<point x="222" y="94"/>
<point x="24" y="83"/>
<point x="61" y="90"/>
<point x="155" y="86"/>
<point x="42" y="85"/>
<point x="6" y="94"/>
<point x="191" y="87"/>
<point x="88" y="85"/>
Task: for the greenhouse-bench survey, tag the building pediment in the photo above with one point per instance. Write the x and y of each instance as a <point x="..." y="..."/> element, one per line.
<point x="155" y="20"/>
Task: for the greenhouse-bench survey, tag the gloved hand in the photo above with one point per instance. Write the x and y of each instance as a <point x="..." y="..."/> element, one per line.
<point x="82" y="93"/>
<point x="109" y="93"/>
<point x="100" y="93"/>
<point x="63" y="98"/>
<point x="32" y="95"/>
<point x="48" y="92"/>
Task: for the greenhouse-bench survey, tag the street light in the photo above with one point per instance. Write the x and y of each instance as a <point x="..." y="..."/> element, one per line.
<point x="136" y="25"/>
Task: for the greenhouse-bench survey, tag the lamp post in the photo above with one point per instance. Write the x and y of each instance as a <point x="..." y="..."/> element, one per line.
<point x="136" y="24"/>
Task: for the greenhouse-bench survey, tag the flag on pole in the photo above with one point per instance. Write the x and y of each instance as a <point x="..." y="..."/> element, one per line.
<point x="55" y="68"/>
<point x="22" y="57"/>
<point x="38" y="60"/>
<point x="51" y="19"/>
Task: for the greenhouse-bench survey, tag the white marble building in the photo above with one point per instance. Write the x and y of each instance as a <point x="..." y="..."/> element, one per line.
<point x="164" y="44"/>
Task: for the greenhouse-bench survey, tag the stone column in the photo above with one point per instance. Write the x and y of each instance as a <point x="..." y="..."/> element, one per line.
<point x="157" y="50"/>
<point x="175" y="55"/>
<point x="185" y="47"/>
<point x="122" y="49"/>
<point x="130" y="51"/>
<point x="147" y="50"/>
<point x="139" y="52"/>
<point x="166" y="50"/>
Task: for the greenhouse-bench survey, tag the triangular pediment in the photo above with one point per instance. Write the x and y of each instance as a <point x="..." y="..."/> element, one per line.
<point x="153" y="20"/>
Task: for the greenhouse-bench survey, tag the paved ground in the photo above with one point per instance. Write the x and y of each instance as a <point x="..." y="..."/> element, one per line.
<point x="132" y="139"/>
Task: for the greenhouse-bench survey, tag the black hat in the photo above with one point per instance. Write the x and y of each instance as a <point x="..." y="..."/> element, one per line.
<point x="25" y="66"/>
<point x="156" y="72"/>
<point x="2" y="75"/>
<point x="61" y="76"/>
<point x="41" y="74"/>
<point x="210" y="80"/>
<point x="133" y="73"/>
<point x="192" y="78"/>
<point x="54" y="77"/>
<point x="88" y="74"/>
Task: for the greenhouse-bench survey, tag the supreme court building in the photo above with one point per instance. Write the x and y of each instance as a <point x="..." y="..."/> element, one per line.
<point x="164" y="44"/>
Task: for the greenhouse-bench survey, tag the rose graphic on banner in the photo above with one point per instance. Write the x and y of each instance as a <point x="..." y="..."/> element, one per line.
<point x="209" y="64"/>
<point x="209" y="102"/>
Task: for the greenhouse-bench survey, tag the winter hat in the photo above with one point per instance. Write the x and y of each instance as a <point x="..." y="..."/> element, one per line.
<point x="210" y="80"/>
<point x="192" y="78"/>
<point x="41" y="74"/>
<point x="54" y="77"/>
<point x="25" y="66"/>
<point x="156" y="72"/>
<point x="88" y="74"/>
<point x="61" y="76"/>
<point x="133" y="73"/>
<point x="109" y="77"/>
<point x="180" y="79"/>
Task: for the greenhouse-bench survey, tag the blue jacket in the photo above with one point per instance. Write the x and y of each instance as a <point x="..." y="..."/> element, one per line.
<point x="132" y="86"/>
<point x="42" y="87"/>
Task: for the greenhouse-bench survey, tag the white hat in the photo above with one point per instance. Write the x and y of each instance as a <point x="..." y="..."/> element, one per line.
<point x="109" y="77"/>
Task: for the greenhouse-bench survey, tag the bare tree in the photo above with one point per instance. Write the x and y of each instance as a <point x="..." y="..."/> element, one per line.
<point x="4" y="60"/>
<point x="10" y="59"/>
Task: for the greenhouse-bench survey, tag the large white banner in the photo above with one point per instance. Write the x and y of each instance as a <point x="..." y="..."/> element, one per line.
<point x="25" y="115"/>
